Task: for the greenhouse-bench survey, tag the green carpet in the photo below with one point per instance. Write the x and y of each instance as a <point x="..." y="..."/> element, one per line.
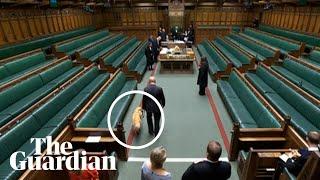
<point x="189" y="125"/>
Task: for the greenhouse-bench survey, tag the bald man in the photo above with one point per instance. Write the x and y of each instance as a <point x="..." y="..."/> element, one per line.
<point x="151" y="107"/>
<point x="211" y="168"/>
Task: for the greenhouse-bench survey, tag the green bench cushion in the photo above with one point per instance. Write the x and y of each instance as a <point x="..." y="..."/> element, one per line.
<point x="298" y="120"/>
<point x="308" y="39"/>
<point x="72" y="46"/>
<point x="138" y="62"/>
<point x="232" y="58"/>
<point x="284" y="46"/>
<point x="262" y="116"/>
<point x="94" y="116"/>
<point x="304" y="72"/>
<point x="120" y="59"/>
<point x="141" y="66"/>
<point x="216" y="62"/>
<point x="236" y="108"/>
<point x="94" y="52"/>
<point x="252" y="46"/>
<point x="42" y="42"/>
<point x="306" y="85"/>
<point x="22" y="73"/>
<point x="31" y="95"/>
<point x="236" y="53"/>
<point x="117" y="57"/>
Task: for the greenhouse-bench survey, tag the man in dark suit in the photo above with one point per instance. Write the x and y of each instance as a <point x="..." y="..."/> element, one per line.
<point x="211" y="168"/>
<point x="154" y="48"/>
<point x="149" y="56"/>
<point x="151" y="107"/>
<point x="297" y="159"/>
<point x="203" y="76"/>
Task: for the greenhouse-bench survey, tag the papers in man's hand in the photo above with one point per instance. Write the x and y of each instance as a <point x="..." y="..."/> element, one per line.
<point x="284" y="157"/>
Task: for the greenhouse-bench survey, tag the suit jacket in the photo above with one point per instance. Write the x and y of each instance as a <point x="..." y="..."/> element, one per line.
<point x="148" y="53"/>
<point x="148" y="104"/>
<point x="155" y="45"/>
<point x="206" y="170"/>
<point x="203" y="75"/>
<point x="295" y="165"/>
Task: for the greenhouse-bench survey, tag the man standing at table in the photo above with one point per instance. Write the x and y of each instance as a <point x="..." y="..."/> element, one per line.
<point x="151" y="107"/>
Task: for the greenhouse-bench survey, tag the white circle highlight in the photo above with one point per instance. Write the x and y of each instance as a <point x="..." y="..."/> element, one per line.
<point x="111" y="129"/>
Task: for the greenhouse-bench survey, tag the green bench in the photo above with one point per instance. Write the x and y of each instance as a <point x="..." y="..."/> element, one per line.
<point x="138" y="61"/>
<point x="92" y="54"/>
<point x="42" y="42"/>
<point x="302" y="76"/>
<point x="96" y="115"/>
<point x="215" y="60"/>
<point x="21" y="66"/>
<point x="19" y="97"/>
<point x="48" y="120"/>
<point x="285" y="47"/>
<point x="71" y="47"/>
<point x="260" y="52"/>
<point x="237" y="58"/>
<point x="287" y="101"/>
<point x="116" y="58"/>
<point x="243" y="105"/>
<point x="310" y="40"/>
<point x="313" y="57"/>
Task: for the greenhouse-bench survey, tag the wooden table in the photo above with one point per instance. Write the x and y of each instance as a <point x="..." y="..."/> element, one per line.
<point x="176" y="60"/>
<point x="176" y="65"/>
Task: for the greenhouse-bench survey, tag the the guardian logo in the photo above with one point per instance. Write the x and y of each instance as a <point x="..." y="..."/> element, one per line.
<point x="59" y="156"/>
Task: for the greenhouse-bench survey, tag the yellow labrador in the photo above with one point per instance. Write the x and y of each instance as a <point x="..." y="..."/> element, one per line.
<point x="136" y="119"/>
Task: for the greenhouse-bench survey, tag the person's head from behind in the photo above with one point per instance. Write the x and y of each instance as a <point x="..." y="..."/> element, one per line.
<point x="152" y="80"/>
<point x="157" y="157"/>
<point x="150" y="36"/>
<point x="213" y="151"/>
<point x="163" y="30"/>
<point x="203" y="60"/>
<point x="313" y="138"/>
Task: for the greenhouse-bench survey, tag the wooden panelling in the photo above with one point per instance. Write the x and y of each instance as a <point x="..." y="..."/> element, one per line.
<point x="303" y="19"/>
<point x="16" y="28"/>
<point x="22" y="24"/>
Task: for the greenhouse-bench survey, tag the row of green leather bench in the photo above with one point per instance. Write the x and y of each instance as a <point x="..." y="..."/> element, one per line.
<point x="260" y="52"/>
<point x="243" y="105"/>
<point x="18" y="66"/>
<point x="116" y="58"/>
<point x="239" y="58"/>
<point x="95" y="115"/>
<point x="286" y="100"/>
<point x="49" y="118"/>
<point x="70" y="46"/>
<point x="41" y="42"/>
<point x="21" y="96"/>
<point x="218" y="63"/>
<point x="298" y="73"/>
<point x="285" y="46"/>
<point x="136" y="64"/>
<point x="313" y="57"/>
<point x="311" y="41"/>
<point x="92" y="54"/>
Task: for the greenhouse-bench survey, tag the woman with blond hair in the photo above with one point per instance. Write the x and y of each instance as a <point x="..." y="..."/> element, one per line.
<point x="153" y="169"/>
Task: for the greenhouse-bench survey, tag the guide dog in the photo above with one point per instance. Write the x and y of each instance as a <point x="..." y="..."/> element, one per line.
<point x="136" y="119"/>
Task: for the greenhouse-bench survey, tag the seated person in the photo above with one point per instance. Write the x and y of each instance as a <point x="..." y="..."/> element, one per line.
<point x="211" y="168"/>
<point x="153" y="169"/>
<point x="296" y="159"/>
